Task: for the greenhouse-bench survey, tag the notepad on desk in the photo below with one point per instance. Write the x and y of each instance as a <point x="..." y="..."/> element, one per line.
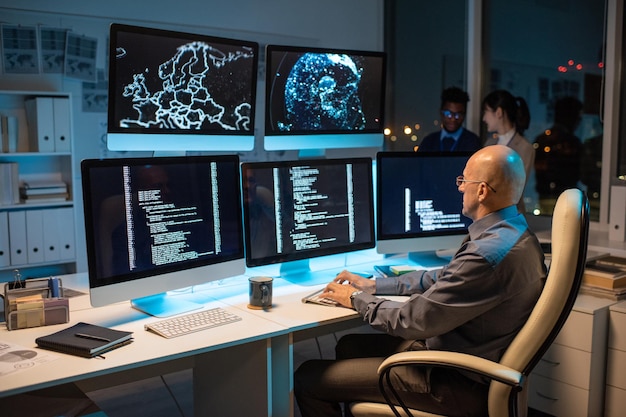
<point x="84" y="339"/>
<point x="393" y="270"/>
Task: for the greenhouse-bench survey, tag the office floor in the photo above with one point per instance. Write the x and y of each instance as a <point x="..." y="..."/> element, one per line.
<point x="172" y="396"/>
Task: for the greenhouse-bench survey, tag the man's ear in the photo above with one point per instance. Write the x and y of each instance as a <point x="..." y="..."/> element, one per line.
<point x="481" y="191"/>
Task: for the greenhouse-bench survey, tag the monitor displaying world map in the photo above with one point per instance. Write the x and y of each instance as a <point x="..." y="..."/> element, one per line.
<point x="178" y="91"/>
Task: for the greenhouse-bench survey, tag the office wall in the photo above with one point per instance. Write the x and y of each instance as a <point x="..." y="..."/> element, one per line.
<point x="353" y="24"/>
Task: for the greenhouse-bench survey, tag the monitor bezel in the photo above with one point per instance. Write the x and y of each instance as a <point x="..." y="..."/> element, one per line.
<point x="312" y="253"/>
<point x="127" y="286"/>
<point x="276" y="139"/>
<point x="163" y="139"/>
<point x="388" y="243"/>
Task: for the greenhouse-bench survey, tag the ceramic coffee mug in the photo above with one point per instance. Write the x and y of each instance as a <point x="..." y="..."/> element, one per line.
<point x="260" y="293"/>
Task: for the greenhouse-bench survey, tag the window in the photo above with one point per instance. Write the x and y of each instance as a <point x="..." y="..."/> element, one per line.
<point x="553" y="64"/>
<point x="562" y="54"/>
<point x="426" y="46"/>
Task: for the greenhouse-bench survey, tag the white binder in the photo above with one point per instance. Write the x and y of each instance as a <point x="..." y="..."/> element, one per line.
<point x="34" y="236"/>
<point x="17" y="237"/>
<point x="5" y="257"/>
<point x="58" y="234"/>
<point x="51" y="239"/>
<point x="9" y="183"/>
<point x="62" y="128"/>
<point x="67" y="239"/>
<point x="40" y="117"/>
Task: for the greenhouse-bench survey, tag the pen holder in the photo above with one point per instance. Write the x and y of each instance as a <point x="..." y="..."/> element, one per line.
<point x="35" y="302"/>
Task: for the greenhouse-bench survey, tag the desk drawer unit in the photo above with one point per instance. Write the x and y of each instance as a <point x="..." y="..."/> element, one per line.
<point x="616" y="363"/>
<point x="558" y="398"/>
<point x="568" y="381"/>
<point x="566" y="364"/>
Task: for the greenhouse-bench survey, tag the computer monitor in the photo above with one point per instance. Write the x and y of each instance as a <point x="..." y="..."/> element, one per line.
<point x="175" y="91"/>
<point x="297" y="210"/>
<point x="320" y="98"/>
<point x="158" y="224"/>
<point x="419" y="207"/>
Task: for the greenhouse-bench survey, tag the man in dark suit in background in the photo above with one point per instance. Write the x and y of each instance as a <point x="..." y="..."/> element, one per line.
<point x="558" y="152"/>
<point x="452" y="136"/>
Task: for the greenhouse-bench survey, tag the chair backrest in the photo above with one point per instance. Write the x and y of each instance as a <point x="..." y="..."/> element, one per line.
<point x="570" y="229"/>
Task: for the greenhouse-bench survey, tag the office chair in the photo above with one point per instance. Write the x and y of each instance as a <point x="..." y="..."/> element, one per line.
<point x="508" y="389"/>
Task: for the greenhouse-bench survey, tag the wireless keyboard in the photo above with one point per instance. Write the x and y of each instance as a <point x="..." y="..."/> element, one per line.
<point x="192" y="322"/>
<point x="316" y="299"/>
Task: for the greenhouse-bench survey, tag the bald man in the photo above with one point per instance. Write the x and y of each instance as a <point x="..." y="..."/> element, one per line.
<point x="476" y="304"/>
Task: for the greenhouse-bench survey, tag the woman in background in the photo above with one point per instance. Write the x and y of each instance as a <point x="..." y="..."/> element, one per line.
<point x="508" y="117"/>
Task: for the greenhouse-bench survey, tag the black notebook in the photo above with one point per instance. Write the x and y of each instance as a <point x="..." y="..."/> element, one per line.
<point x="84" y="339"/>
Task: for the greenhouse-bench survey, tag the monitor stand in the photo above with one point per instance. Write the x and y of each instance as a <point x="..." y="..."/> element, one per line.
<point x="311" y="153"/>
<point x="163" y="305"/>
<point x="432" y="259"/>
<point x="300" y="273"/>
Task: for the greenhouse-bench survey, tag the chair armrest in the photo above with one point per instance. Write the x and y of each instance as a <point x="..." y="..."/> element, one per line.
<point x="456" y="360"/>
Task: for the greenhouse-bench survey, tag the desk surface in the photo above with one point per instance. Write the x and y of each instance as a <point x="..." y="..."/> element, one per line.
<point x="287" y="316"/>
<point x="147" y="348"/>
<point x="599" y="241"/>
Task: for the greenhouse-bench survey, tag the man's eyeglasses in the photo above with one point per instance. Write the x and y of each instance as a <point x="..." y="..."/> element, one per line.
<point x="452" y="115"/>
<point x="460" y="180"/>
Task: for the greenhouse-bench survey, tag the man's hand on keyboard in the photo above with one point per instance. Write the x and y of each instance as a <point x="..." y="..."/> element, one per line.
<point x="340" y="293"/>
<point x="359" y="282"/>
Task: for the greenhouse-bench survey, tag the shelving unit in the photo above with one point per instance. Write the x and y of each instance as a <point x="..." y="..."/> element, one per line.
<point x="39" y="238"/>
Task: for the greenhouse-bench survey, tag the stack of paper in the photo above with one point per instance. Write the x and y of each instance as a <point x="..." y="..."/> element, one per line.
<point x="33" y="192"/>
<point x="605" y="276"/>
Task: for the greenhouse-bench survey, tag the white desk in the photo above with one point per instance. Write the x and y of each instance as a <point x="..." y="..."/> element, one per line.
<point x="300" y="320"/>
<point x="303" y="321"/>
<point x="226" y="361"/>
<point x="253" y="356"/>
